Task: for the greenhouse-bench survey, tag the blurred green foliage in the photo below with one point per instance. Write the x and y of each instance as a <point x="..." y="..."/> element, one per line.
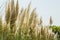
<point x="56" y="29"/>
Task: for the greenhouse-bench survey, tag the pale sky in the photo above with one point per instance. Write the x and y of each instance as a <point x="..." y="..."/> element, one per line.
<point x="44" y="8"/>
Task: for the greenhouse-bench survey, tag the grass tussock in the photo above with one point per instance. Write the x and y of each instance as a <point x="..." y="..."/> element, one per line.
<point x="23" y="25"/>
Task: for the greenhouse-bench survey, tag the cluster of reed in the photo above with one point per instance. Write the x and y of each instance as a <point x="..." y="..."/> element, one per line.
<point x="23" y="25"/>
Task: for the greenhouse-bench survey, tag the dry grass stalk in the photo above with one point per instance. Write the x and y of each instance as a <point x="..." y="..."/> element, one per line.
<point x="7" y="16"/>
<point x="51" y="21"/>
<point x="1" y="31"/>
